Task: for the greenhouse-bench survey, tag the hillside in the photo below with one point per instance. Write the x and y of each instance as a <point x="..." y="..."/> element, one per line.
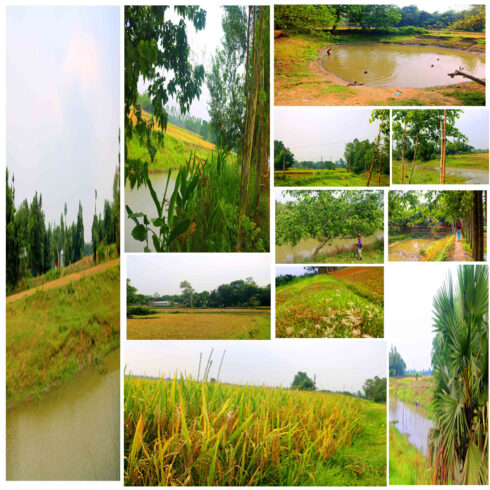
<point x="179" y="144"/>
<point x="346" y="303"/>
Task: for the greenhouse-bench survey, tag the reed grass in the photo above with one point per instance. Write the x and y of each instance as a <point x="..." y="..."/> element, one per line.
<point x="189" y="433"/>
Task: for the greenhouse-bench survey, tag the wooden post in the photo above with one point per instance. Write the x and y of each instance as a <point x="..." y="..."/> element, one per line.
<point x="443" y="151"/>
<point x="380" y="167"/>
<point x="414" y="156"/>
<point x="374" y="155"/>
<point x="403" y="149"/>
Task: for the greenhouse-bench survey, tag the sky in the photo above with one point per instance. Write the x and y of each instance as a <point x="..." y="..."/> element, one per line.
<point x="339" y="364"/>
<point x="409" y="291"/>
<point x="435" y="6"/>
<point x="474" y="124"/>
<point x="322" y="132"/>
<point x="63" y="106"/>
<point x="163" y="273"/>
<point x="203" y="45"/>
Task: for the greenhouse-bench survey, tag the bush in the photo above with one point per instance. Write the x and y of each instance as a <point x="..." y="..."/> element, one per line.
<point x="139" y="311"/>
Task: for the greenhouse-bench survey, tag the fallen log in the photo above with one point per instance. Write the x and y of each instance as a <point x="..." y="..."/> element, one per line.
<point x="466" y="75"/>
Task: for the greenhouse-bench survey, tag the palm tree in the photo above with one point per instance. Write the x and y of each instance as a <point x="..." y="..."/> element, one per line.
<point x="458" y="443"/>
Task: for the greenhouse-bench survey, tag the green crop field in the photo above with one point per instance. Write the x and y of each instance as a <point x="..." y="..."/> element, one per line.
<point x="193" y="324"/>
<point x="54" y="334"/>
<point x="188" y="433"/>
<point x="347" y="303"/>
<point x="413" y="390"/>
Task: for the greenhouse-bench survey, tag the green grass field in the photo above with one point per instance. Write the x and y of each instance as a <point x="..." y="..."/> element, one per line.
<point x="193" y="324"/>
<point x="175" y="152"/>
<point x="189" y="433"/>
<point x="429" y="173"/>
<point x="328" y="178"/>
<point x="347" y="303"/>
<point x="369" y="256"/>
<point x="408" y="465"/>
<point x="54" y="334"/>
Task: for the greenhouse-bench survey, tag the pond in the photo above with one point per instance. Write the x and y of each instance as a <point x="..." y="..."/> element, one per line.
<point x="411" y="421"/>
<point x="401" y="66"/>
<point x="286" y="254"/>
<point x="139" y="200"/>
<point x="409" y="250"/>
<point x="72" y="433"/>
<point x="471" y="176"/>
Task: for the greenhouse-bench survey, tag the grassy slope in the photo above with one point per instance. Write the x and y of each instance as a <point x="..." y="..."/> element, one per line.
<point x="297" y="82"/>
<point x="334" y="178"/>
<point x="249" y="435"/>
<point x="201" y="324"/>
<point x="428" y="172"/>
<point x="408" y="465"/>
<point x="411" y="390"/>
<point x="348" y="303"/>
<point x="54" y="334"/>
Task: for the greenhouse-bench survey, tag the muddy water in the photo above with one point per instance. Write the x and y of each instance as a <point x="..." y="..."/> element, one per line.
<point x="72" y="433"/>
<point x="411" y="421"/>
<point x="472" y="176"/>
<point x="139" y="200"/>
<point x="392" y="65"/>
<point x="285" y="254"/>
<point x="409" y="250"/>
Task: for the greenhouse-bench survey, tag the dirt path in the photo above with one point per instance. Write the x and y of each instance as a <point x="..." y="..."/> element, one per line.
<point x="64" y="280"/>
<point x="459" y="253"/>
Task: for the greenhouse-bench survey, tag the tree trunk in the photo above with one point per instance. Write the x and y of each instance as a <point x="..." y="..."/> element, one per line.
<point x="380" y="167"/>
<point x="403" y="149"/>
<point x="443" y="151"/>
<point x="318" y="248"/>
<point x="251" y="116"/>
<point x="414" y="156"/>
<point x="374" y="155"/>
<point x="479" y="245"/>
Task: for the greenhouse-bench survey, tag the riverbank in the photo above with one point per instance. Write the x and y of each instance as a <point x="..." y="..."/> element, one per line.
<point x="54" y="334"/>
<point x="460" y="169"/>
<point x="407" y="464"/>
<point x="414" y="390"/>
<point x="300" y="78"/>
<point x="423" y="247"/>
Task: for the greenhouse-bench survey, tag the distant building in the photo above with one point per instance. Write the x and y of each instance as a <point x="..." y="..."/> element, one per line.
<point x="161" y="303"/>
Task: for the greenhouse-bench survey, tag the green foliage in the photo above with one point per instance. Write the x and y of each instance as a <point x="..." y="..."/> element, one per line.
<point x="154" y="47"/>
<point x="458" y="443"/>
<point x="12" y="236"/>
<point x="303" y="382"/>
<point x="325" y="215"/>
<point x="396" y="363"/>
<point x="139" y="311"/>
<point x="283" y="158"/>
<point x="473" y="20"/>
<point x="226" y="82"/>
<point x="375" y="389"/>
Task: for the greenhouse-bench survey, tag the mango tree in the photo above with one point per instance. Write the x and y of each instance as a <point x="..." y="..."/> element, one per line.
<point x="326" y="215"/>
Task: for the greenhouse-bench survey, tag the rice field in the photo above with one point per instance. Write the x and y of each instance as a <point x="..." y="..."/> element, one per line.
<point x="346" y="303"/>
<point x="187" y="433"/>
<point x="201" y="324"/>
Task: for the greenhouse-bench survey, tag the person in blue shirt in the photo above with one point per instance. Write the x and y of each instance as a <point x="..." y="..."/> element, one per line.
<point x="358" y="246"/>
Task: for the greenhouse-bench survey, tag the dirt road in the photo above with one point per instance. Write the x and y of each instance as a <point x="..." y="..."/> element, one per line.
<point x="62" y="281"/>
<point x="460" y="254"/>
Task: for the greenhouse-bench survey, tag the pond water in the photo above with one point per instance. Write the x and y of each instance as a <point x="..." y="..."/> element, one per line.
<point x="411" y="421"/>
<point x="72" y="433"/>
<point x="401" y="66"/>
<point x="286" y="254"/>
<point x="409" y="250"/>
<point x="472" y="176"/>
<point x="139" y="200"/>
